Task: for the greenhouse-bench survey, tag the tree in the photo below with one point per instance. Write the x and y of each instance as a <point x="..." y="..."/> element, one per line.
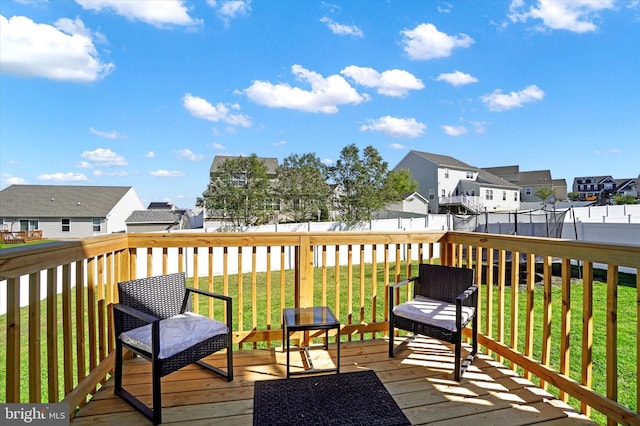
<point x="365" y="184"/>
<point x="544" y="193"/>
<point x="239" y="191"/>
<point x="303" y="187"/>
<point x="625" y="199"/>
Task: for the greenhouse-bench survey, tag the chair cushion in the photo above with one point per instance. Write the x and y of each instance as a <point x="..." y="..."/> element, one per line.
<point x="433" y="312"/>
<point x="177" y="333"/>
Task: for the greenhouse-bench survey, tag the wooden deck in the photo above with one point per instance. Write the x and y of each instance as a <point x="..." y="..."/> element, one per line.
<point x="419" y="378"/>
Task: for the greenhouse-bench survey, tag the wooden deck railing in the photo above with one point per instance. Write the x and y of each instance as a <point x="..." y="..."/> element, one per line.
<point x="68" y="289"/>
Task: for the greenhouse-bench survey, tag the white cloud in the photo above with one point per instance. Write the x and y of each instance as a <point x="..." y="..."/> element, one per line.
<point x="397" y="146"/>
<point x="280" y="143"/>
<point x="166" y="173"/>
<point x="608" y="151"/>
<point x="327" y="161"/>
<point x="187" y="154"/>
<point x="341" y="29"/>
<point x="84" y="165"/>
<point x="454" y="130"/>
<point x="107" y="135"/>
<point x="425" y="42"/>
<point x="12" y="180"/>
<point x="217" y="145"/>
<point x="396" y="127"/>
<point x="230" y="9"/>
<point x="576" y="15"/>
<point x="159" y="13"/>
<point x="104" y="158"/>
<point x="63" y="177"/>
<point x="118" y="173"/>
<point x="457" y="78"/>
<point x="201" y="108"/>
<point x="64" y="51"/>
<point x="390" y="83"/>
<point x="498" y="101"/>
<point x="325" y="94"/>
<point x="150" y="154"/>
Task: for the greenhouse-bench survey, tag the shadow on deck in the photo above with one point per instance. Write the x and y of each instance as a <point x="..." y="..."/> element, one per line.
<point x="420" y="379"/>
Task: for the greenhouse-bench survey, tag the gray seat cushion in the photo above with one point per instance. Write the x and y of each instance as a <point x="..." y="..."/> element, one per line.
<point x="177" y="333"/>
<point x="433" y="312"/>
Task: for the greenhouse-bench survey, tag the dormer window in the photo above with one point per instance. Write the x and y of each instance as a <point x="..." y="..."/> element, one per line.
<point x="446" y="173"/>
<point x="469" y="174"/>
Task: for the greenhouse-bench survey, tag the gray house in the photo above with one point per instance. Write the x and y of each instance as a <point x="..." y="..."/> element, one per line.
<point x="67" y="211"/>
<point x="531" y="182"/>
<point x="159" y="216"/>
<point x="449" y="184"/>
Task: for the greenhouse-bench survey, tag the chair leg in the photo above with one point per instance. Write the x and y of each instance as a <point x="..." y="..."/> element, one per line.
<point x="474" y="332"/>
<point x="118" y="368"/>
<point x="458" y="361"/>
<point x="229" y="361"/>
<point x="391" y="351"/>
<point x="157" y="395"/>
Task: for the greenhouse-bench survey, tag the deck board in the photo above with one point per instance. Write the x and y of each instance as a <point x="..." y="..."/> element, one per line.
<point x="420" y="379"/>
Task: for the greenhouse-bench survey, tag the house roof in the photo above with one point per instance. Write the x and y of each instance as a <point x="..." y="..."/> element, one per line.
<point x="484" y="177"/>
<point x="154" y="216"/>
<point x="503" y="170"/>
<point x="270" y="162"/>
<point x="39" y="201"/>
<point x="160" y="205"/>
<point x="537" y="177"/>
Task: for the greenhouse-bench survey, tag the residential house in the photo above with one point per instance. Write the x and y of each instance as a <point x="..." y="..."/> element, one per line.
<point x="602" y="188"/>
<point x="271" y="164"/>
<point x="531" y="182"/>
<point x="627" y="187"/>
<point x="159" y="216"/>
<point x="412" y="205"/>
<point x="67" y="211"/>
<point x="451" y="185"/>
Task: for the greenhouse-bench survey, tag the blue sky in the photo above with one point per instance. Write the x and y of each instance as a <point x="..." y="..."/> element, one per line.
<point x="146" y="93"/>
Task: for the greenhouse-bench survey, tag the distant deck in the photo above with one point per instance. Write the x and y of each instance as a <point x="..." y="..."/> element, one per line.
<point x="419" y="379"/>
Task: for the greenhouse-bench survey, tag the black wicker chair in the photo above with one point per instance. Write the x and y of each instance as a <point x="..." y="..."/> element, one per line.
<point x="444" y="301"/>
<point x="154" y="320"/>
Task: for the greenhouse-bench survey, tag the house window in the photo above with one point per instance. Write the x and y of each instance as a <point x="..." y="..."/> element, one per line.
<point x="97" y="225"/>
<point x="239" y="180"/>
<point x="66" y="225"/>
<point x="432" y="194"/>
<point x="469" y="174"/>
<point x="444" y="193"/>
<point x="504" y="195"/>
<point x="446" y="173"/>
<point x="28" y="225"/>
<point x="489" y="194"/>
<point x="515" y="196"/>
<point x="528" y="191"/>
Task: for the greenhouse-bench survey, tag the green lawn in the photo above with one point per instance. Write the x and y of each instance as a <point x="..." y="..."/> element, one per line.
<point x="627" y="314"/>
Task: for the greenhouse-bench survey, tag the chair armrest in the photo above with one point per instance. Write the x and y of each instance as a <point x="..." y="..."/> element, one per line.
<point x="128" y="310"/>
<point x="402" y="283"/>
<point x="209" y="294"/>
<point x="395" y="287"/>
<point x="227" y="300"/>
<point x="467" y="293"/>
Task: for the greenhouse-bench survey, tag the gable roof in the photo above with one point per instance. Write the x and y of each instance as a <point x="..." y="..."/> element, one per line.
<point x="484" y="176"/>
<point x="445" y="161"/>
<point x="270" y="162"/>
<point x="537" y="177"/>
<point x="154" y="216"/>
<point x="60" y="200"/>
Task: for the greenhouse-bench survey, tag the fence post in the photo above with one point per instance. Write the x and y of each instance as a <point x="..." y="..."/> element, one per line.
<point x="305" y="272"/>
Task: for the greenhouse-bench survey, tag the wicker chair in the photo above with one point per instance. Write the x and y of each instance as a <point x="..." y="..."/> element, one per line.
<point x="444" y="301"/>
<point x="154" y="320"/>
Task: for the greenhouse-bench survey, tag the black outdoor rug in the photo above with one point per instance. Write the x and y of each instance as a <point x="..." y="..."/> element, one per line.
<point x="337" y="399"/>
